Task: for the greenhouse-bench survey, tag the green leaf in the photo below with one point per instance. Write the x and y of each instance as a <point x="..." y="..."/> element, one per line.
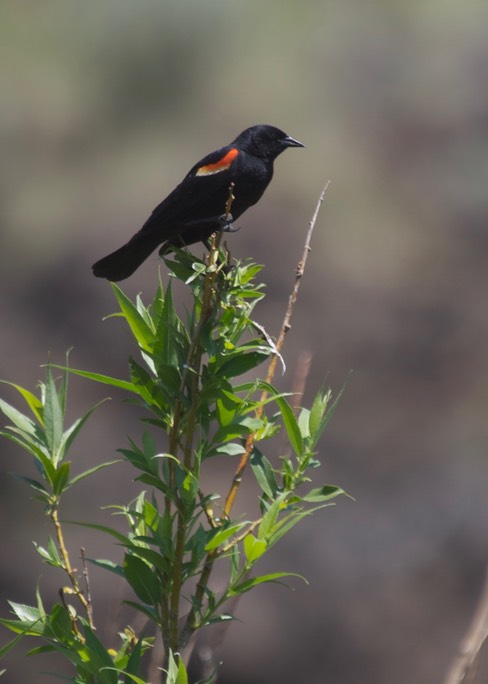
<point x="50" y="555"/>
<point x="10" y="645"/>
<point x="270" y="517"/>
<point x="236" y="430"/>
<point x="142" y="580"/>
<point x="61" y="478"/>
<point x="230" y="449"/>
<point x="182" y="677"/>
<point x="247" y="273"/>
<point x="107" y="565"/>
<point x="289" y="419"/>
<point x="263" y="472"/>
<point x="36" y="485"/>
<point x="22" y="422"/>
<point x="226" y="409"/>
<point x="133" y="664"/>
<point x="254" y="548"/>
<point x="317" y="411"/>
<point x="60" y="623"/>
<point x="39" y="650"/>
<point x="99" y="661"/>
<point x="143" y="382"/>
<point x="24" y="612"/>
<point x="223" y="535"/>
<point x="138" y="325"/>
<point x="26" y="444"/>
<point x="176" y="671"/>
<point x="53" y="416"/>
<point x="234" y="565"/>
<point x="291" y="426"/>
<point x="303" y="422"/>
<point x="322" y="412"/>
<point x="90" y="471"/>
<point x="287" y="523"/>
<point x="170" y="379"/>
<point x="47" y="469"/>
<point x="242" y="363"/>
<point x="103" y="379"/>
<point x="152" y="557"/>
<point x="170" y="339"/>
<point x="149" y="612"/>
<point x="129" y="675"/>
<point x="103" y="528"/>
<point x="33" y="402"/>
<point x="324" y="493"/>
<point x="262" y="579"/>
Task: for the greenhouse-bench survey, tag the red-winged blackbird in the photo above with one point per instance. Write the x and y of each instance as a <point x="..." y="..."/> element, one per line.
<point x="196" y="207"/>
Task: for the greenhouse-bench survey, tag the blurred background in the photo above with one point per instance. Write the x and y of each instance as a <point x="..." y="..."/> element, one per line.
<point x="104" y="108"/>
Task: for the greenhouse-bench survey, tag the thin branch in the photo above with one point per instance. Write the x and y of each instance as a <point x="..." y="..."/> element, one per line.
<point x="86" y="577"/>
<point x="71" y="572"/>
<point x="464" y="666"/>
<point x="286" y="325"/>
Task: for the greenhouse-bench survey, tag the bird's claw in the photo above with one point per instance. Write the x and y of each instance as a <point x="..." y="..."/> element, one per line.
<point x="231" y="228"/>
<point x="225" y="222"/>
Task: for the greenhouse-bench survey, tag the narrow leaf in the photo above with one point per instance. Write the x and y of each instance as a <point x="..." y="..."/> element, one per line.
<point x="142" y="580"/>
<point x="263" y="472"/>
<point x="223" y="535"/>
<point x="90" y="471"/>
<point x="289" y="419"/>
<point x="10" y="645"/>
<point x="270" y="517"/>
<point x="254" y="581"/>
<point x="242" y="363"/>
<point x="103" y="528"/>
<point x="100" y="662"/>
<point x="61" y="477"/>
<point x="103" y="379"/>
<point x="324" y="493"/>
<point x="138" y="325"/>
<point x="107" y="565"/>
<point x="254" y="548"/>
<point x="149" y="612"/>
<point x="53" y="415"/>
<point x="25" y="424"/>
<point x="33" y="402"/>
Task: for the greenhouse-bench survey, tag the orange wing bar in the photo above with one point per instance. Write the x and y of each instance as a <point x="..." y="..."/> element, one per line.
<point x="220" y="165"/>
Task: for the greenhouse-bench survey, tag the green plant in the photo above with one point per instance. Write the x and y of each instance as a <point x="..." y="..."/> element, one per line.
<point x="197" y="407"/>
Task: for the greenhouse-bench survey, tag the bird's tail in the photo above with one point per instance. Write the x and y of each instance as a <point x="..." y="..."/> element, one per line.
<point x="124" y="261"/>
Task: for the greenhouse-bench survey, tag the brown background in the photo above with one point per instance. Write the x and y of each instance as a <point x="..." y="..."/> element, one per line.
<point x="104" y="107"/>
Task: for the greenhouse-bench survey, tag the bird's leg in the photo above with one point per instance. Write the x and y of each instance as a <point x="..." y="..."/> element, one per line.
<point x="225" y="222"/>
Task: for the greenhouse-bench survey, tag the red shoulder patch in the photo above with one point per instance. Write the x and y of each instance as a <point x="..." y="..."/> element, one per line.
<point x="221" y="165"/>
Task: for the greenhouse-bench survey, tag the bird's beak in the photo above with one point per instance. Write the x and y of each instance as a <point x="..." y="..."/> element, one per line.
<point x="291" y="142"/>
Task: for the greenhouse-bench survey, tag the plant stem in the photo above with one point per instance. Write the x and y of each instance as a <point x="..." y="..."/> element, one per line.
<point x="190" y="383"/>
<point x="70" y="571"/>
<point x="191" y="622"/>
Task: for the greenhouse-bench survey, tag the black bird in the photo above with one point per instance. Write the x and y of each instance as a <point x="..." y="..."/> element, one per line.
<point x="196" y="207"/>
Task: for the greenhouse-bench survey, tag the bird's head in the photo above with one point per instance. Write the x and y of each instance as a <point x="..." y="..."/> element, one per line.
<point x="265" y="141"/>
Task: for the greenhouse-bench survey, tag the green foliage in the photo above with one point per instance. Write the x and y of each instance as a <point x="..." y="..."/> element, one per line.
<point x="42" y="434"/>
<point x="184" y="379"/>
